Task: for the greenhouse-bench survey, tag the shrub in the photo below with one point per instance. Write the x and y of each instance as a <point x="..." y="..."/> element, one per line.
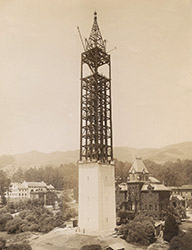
<point x="4" y="218"/>
<point x="2" y="243"/>
<point x="3" y="210"/>
<point x="34" y="227"/>
<point x="59" y="220"/>
<point x="182" y="241"/>
<point x="140" y="230"/>
<point x="136" y="233"/>
<point x="13" y="226"/>
<point x="123" y="215"/>
<point x="31" y="218"/>
<point x="171" y="228"/>
<point x="123" y="230"/>
<point x="23" y="228"/>
<point x="25" y="213"/>
<point x="19" y="246"/>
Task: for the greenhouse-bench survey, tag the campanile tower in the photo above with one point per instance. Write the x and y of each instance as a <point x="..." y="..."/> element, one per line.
<point x="96" y="169"/>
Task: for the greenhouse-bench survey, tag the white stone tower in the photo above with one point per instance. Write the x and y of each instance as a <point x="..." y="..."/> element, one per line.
<point x="96" y="169"/>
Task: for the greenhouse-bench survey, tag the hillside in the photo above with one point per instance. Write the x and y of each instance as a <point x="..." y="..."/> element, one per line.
<point x="59" y="239"/>
<point x="168" y="153"/>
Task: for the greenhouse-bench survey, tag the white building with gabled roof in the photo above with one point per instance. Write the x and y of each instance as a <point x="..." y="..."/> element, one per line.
<point x="26" y="190"/>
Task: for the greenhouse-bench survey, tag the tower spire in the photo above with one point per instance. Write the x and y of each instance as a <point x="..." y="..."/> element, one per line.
<point x="96" y="122"/>
<point x="95" y="38"/>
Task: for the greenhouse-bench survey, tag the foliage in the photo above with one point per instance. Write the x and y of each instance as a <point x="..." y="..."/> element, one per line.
<point x="121" y="170"/>
<point x="4" y="218"/>
<point x="182" y="241"/>
<point x="171" y="227"/>
<point x="18" y="176"/>
<point x="123" y="215"/>
<point x="34" y="217"/>
<point x="2" y="243"/>
<point x="15" y="225"/>
<point x="19" y="246"/>
<point x="4" y="184"/>
<point x="140" y="230"/>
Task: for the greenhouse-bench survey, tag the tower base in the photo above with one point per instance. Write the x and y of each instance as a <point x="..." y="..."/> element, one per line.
<point x="96" y="197"/>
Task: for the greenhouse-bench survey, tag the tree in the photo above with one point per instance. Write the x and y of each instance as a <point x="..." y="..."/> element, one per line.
<point x="18" y="176"/>
<point x="140" y="230"/>
<point x="182" y="241"/>
<point x="171" y="228"/>
<point x="4" y="184"/>
<point x="19" y="246"/>
<point x="2" y="243"/>
<point x="4" y="218"/>
<point x="13" y="226"/>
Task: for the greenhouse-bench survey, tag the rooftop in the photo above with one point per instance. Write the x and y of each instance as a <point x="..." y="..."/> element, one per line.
<point x="138" y="166"/>
<point x="34" y="184"/>
<point x="184" y="187"/>
<point x="156" y="187"/>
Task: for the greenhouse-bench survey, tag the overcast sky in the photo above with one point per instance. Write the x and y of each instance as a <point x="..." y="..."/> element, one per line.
<point x="40" y="70"/>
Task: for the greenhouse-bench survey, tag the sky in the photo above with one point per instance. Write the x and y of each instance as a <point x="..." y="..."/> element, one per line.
<point x="40" y="53"/>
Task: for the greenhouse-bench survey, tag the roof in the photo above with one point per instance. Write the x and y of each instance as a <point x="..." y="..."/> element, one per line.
<point x="116" y="246"/>
<point x="156" y="187"/>
<point x="138" y="166"/>
<point x="50" y="186"/>
<point x="153" y="180"/>
<point x="184" y="187"/>
<point x="36" y="184"/>
<point x="18" y="185"/>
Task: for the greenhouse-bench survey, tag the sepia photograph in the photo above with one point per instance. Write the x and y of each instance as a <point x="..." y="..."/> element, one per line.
<point x="95" y="125"/>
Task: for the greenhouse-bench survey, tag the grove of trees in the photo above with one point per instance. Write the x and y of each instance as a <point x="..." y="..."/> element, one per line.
<point x="4" y="183"/>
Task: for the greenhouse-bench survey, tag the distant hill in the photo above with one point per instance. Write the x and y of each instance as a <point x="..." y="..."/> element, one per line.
<point x="34" y="158"/>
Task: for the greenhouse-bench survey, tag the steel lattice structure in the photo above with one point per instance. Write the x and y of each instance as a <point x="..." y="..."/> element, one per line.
<point x="96" y="120"/>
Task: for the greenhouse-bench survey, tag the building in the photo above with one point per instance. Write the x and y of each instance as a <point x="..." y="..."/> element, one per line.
<point x="96" y="168"/>
<point x="183" y="194"/>
<point x="144" y="193"/>
<point x="31" y="190"/>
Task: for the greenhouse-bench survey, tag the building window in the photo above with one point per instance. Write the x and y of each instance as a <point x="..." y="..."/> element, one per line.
<point x="88" y="178"/>
<point x="150" y="207"/>
<point x="145" y="207"/>
<point x="155" y="207"/>
<point x="107" y="219"/>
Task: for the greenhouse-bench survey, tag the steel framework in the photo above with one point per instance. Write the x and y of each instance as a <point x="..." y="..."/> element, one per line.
<point x="96" y="121"/>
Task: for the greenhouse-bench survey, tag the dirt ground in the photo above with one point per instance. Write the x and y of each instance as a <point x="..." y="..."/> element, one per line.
<point x="68" y="239"/>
